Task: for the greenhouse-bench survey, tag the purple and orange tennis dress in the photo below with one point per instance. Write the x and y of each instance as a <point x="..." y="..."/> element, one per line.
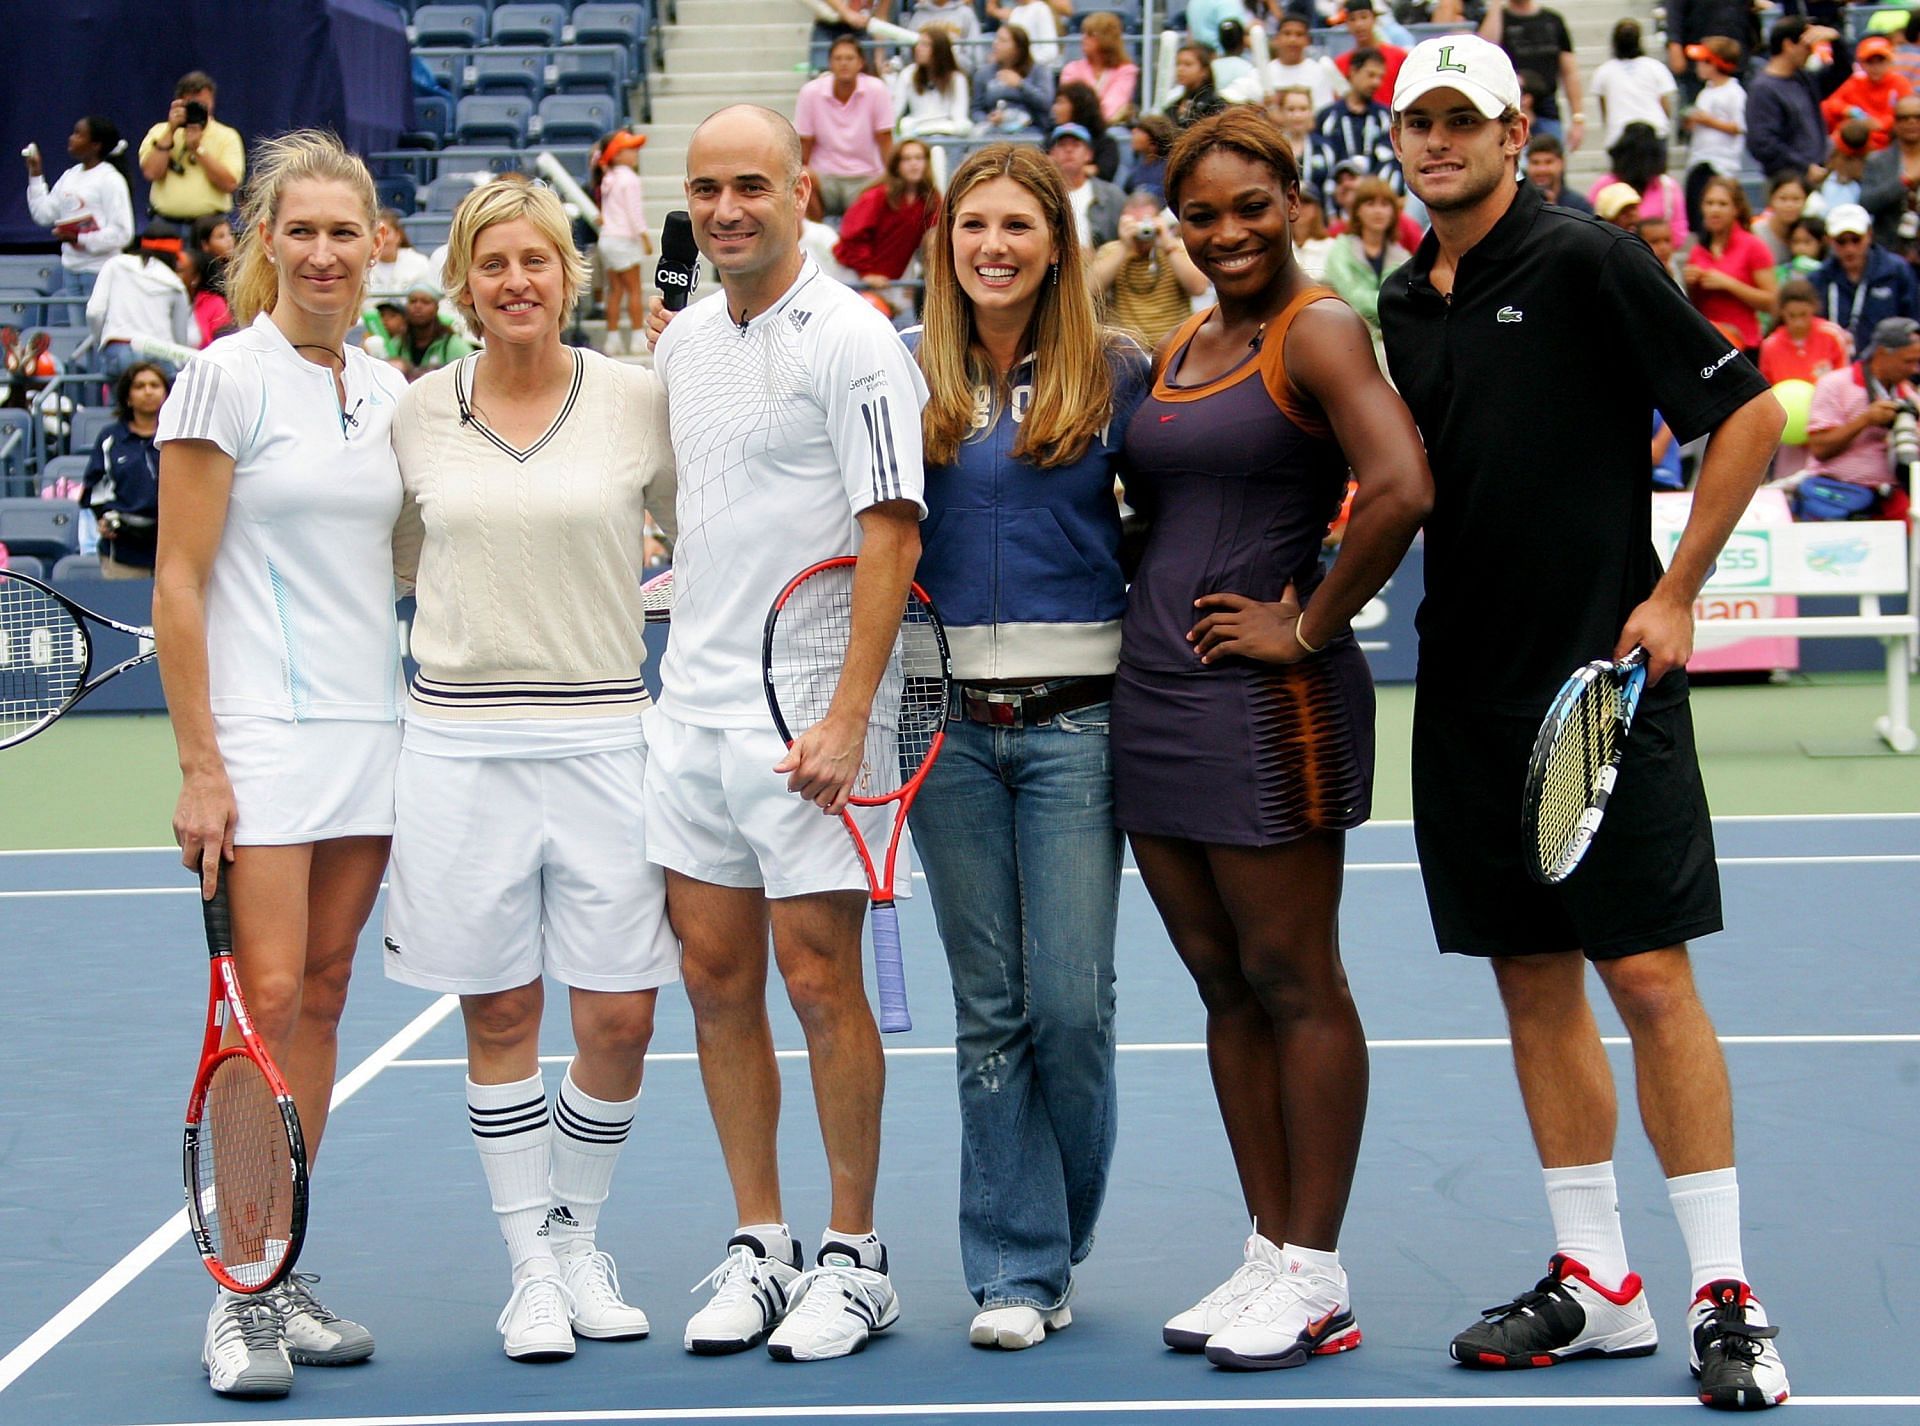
<point x="1239" y="481"/>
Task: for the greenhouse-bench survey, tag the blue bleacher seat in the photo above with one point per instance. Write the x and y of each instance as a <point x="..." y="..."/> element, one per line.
<point x="27" y="565"/>
<point x="1129" y="12"/>
<point x="450" y="161"/>
<point x="577" y="118"/>
<point x="16" y="441"/>
<point x="447" y="66"/>
<point x="62" y="343"/>
<point x="74" y="467"/>
<point x="609" y="24"/>
<point x="43" y="529"/>
<point x="444" y="195"/>
<point x="88" y="423"/>
<point x="433" y="121"/>
<point x="396" y="190"/>
<point x="598" y="70"/>
<point x="429" y="230"/>
<point x="77" y="567"/>
<point x="449" y="25"/>
<point x="30" y="271"/>
<point x="528" y="24"/>
<point x="492" y="119"/>
<point x="511" y="71"/>
<point x="19" y="307"/>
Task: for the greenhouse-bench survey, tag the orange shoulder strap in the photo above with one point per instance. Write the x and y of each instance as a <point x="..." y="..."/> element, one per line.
<point x="1273" y="363"/>
<point x="1181" y="336"/>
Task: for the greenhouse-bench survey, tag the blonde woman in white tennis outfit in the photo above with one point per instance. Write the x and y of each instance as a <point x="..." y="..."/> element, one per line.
<point x="273" y="610"/>
<point x="529" y="470"/>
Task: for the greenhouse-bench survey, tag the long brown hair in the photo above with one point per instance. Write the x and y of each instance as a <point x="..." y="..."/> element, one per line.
<point x="938" y="72"/>
<point x="1109" y="37"/>
<point x="1072" y="381"/>
<point x="898" y="189"/>
<point x="306" y="155"/>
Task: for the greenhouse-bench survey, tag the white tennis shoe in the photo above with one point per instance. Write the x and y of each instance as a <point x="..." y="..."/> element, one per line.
<point x="537" y="1323"/>
<point x="316" y="1335"/>
<point x="599" y="1311"/>
<point x="836" y="1308"/>
<point x="1016" y="1327"/>
<point x="752" y="1292"/>
<point x="242" y="1352"/>
<point x="1295" y="1316"/>
<point x="1189" y="1330"/>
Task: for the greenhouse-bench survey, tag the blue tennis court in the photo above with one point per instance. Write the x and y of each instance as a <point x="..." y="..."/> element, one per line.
<point x="1813" y="986"/>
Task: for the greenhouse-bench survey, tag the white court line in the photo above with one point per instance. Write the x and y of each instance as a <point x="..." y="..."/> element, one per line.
<point x="1842" y="859"/>
<point x="1384" y="822"/>
<point x="105" y="1288"/>
<point x="1183" y="1047"/>
<point x="1052" y="1408"/>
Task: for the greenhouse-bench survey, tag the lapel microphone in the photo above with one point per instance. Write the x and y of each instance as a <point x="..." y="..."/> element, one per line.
<point x="678" y="271"/>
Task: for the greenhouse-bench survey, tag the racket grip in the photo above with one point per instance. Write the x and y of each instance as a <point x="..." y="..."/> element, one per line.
<point x="219" y="922"/>
<point x="888" y="972"/>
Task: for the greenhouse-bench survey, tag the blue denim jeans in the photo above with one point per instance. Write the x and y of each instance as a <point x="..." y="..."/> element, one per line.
<point x="1014" y="827"/>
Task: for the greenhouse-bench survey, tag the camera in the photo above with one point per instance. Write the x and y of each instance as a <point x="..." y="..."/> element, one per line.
<point x="1903" y="438"/>
<point x="1144" y="232"/>
<point x="196" y="113"/>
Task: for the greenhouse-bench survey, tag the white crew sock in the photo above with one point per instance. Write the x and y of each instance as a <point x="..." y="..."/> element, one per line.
<point x="511" y="1129"/>
<point x="587" y="1136"/>
<point x="1585" y="1205"/>
<point x="1708" y="1207"/>
<point x="776" y="1238"/>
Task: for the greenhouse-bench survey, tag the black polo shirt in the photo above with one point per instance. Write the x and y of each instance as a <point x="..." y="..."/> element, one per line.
<point x="1534" y="387"/>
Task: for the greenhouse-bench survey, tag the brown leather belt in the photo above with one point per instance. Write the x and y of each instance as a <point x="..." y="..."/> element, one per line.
<point x="1027" y="704"/>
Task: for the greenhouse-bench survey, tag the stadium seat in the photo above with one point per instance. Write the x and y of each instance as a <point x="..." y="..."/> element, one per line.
<point x="449" y="25"/>
<point x="77" y="567"/>
<point x="16" y="441"/>
<point x="429" y="230"/>
<point x="447" y="66"/>
<point x="577" y="118"/>
<point x="457" y="160"/>
<point x="29" y="271"/>
<point x="88" y="423"/>
<point x="597" y="70"/>
<point x="1127" y="10"/>
<point x="510" y="71"/>
<point x="19" y="307"/>
<point x="63" y="342"/>
<point x="433" y="121"/>
<point x="492" y="119"/>
<point x="74" y="467"/>
<point x="397" y="191"/>
<point x="28" y="565"/>
<point x="44" y="529"/>
<point x="609" y="24"/>
<point x="528" y="24"/>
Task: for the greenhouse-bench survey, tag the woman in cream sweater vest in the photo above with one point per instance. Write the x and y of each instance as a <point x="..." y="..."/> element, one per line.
<point x="529" y="468"/>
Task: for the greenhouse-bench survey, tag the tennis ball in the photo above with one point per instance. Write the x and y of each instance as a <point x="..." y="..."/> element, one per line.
<point x="1796" y="397"/>
<point x="1887" y="22"/>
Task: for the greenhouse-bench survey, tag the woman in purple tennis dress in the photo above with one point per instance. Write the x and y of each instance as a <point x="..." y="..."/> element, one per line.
<point x="1243" y="712"/>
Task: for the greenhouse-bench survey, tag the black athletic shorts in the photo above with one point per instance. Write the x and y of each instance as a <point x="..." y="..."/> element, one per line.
<point x="1649" y="879"/>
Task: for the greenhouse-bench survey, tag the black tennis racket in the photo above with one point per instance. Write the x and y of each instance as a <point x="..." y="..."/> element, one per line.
<point x="803" y="654"/>
<point x="245" y="1160"/>
<point x="1576" y="759"/>
<point x="47" y="653"/>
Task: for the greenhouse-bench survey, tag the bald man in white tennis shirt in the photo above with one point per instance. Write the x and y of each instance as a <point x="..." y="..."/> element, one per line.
<point x="795" y="412"/>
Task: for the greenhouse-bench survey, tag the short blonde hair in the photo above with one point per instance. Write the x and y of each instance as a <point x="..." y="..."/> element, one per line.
<point x="504" y="200"/>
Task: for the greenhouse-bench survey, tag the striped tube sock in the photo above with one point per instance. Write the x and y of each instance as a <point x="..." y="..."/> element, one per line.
<point x="587" y="1135"/>
<point x="510" y="1129"/>
<point x="1708" y="1207"/>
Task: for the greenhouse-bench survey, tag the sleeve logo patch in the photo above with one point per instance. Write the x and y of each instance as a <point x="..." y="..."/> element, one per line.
<point x="1706" y="372"/>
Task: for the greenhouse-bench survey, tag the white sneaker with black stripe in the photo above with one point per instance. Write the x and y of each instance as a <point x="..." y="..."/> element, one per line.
<point x="316" y="1335"/>
<point x="242" y="1352"/>
<point x="751" y="1293"/>
<point x="836" y="1307"/>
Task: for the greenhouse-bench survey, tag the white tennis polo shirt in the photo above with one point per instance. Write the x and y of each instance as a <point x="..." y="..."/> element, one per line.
<point x="783" y="431"/>
<point x="300" y="616"/>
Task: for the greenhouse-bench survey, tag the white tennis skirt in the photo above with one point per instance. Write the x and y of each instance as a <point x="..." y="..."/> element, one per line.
<point x="619" y="254"/>
<point x="308" y="782"/>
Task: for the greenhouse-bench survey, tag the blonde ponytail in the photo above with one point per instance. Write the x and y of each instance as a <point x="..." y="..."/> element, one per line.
<point x="253" y="285"/>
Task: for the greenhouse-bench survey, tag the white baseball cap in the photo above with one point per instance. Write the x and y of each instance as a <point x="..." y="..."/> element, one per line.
<point x="1849" y="218"/>
<point x="1477" y="68"/>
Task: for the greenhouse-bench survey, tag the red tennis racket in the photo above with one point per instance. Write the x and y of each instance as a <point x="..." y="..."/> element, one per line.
<point x="245" y="1160"/>
<point x="803" y="654"/>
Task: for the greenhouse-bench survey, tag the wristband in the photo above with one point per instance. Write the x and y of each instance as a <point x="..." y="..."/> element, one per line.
<point x="1300" y="638"/>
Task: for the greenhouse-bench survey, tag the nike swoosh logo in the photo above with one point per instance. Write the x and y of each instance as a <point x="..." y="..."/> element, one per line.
<point x="1165" y="419"/>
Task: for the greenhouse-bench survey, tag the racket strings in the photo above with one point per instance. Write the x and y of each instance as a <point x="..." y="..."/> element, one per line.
<point x="807" y="652"/>
<point x="43" y="656"/>
<point x="1581" y="754"/>
<point x="244" y="1173"/>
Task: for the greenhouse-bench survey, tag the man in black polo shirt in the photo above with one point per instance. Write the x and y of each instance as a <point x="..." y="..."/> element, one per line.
<point x="1532" y="345"/>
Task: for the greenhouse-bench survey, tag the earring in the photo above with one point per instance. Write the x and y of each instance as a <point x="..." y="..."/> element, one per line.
<point x="1053" y="274"/>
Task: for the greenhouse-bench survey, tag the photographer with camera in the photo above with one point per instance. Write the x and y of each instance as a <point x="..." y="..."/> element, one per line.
<point x="1144" y="278"/>
<point x="1862" y="429"/>
<point x="192" y="161"/>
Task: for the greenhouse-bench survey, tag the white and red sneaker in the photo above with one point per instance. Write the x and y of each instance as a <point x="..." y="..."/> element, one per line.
<point x="1730" y="1349"/>
<point x="1566" y="1315"/>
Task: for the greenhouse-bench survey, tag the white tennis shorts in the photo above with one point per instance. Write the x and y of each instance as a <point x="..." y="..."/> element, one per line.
<point x="308" y="782"/>
<point x="620" y="254"/>
<point x="719" y="813"/>
<point x="508" y="868"/>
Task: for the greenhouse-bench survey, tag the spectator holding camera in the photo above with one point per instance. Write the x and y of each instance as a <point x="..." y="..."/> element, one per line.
<point x="192" y="162"/>
<point x="1861" y="283"/>
<point x="122" y="484"/>
<point x="88" y="207"/>
<point x="1144" y="277"/>
<point x="1856" y="407"/>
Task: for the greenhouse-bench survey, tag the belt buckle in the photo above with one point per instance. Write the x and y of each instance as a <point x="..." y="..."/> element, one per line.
<point x="1001" y="710"/>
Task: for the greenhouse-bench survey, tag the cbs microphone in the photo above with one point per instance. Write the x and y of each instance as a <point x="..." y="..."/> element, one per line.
<point x="677" y="272"/>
